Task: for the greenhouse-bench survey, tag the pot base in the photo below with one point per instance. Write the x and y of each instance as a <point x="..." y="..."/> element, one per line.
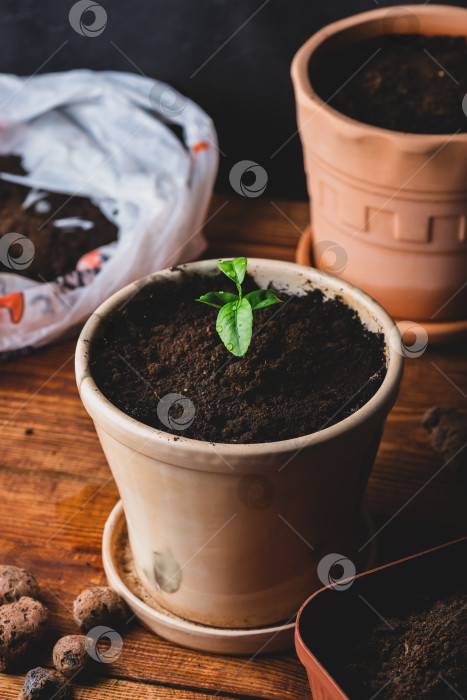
<point x="121" y="575"/>
<point x="438" y="333"/>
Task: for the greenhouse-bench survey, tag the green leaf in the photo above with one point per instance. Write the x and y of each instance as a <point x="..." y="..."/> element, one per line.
<point x="234" y="269"/>
<point x="217" y="299"/>
<point x="234" y="325"/>
<point x="261" y="298"/>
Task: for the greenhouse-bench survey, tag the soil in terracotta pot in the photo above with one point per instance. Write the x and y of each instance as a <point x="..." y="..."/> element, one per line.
<point x="310" y="364"/>
<point x="411" y="83"/>
<point x="57" y="247"/>
<point x="421" y="653"/>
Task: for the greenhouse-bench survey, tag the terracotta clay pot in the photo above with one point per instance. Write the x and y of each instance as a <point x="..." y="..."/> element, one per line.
<point x="335" y="611"/>
<point x="391" y="207"/>
<point x="213" y="527"/>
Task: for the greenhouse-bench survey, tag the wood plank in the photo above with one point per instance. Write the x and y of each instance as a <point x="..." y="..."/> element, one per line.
<point x="111" y="689"/>
<point x="39" y="394"/>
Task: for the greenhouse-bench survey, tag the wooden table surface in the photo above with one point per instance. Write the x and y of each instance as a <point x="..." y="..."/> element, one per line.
<point x="56" y="490"/>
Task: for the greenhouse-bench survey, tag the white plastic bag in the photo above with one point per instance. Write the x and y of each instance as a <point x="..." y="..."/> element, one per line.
<point x="95" y="134"/>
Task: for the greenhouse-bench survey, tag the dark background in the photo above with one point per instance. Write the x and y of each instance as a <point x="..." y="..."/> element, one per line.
<point x="245" y="87"/>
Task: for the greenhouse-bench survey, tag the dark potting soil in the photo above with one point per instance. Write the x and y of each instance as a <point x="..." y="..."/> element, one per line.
<point x="310" y="364"/>
<point x="419" y="654"/>
<point x="57" y="248"/>
<point x="411" y="83"/>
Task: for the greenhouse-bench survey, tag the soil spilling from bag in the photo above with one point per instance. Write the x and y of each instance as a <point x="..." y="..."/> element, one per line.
<point x="51" y="223"/>
<point x="419" y="654"/>
<point x="310" y="364"/>
<point x="410" y="83"/>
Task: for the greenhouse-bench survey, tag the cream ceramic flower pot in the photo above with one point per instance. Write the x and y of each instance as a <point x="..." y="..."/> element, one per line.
<point x="391" y="206"/>
<point x="219" y="532"/>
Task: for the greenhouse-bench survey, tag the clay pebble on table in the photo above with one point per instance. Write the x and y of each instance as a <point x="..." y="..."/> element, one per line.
<point x="100" y="606"/>
<point x="41" y="684"/>
<point x="16" y="583"/>
<point x="70" y="656"/>
<point x="22" y="624"/>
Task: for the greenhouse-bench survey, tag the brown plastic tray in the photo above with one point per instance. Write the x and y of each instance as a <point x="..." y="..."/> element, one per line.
<point x="329" y="617"/>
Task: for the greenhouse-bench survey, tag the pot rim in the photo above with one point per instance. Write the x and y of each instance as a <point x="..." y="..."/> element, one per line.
<point x="304" y="653"/>
<point x="306" y="93"/>
<point x="97" y="404"/>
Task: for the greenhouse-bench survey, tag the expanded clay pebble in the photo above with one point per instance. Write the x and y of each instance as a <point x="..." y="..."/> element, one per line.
<point x="22" y="624"/>
<point x="448" y="434"/>
<point x="40" y="684"/>
<point x="70" y="655"/>
<point x="16" y="583"/>
<point x="99" y="606"/>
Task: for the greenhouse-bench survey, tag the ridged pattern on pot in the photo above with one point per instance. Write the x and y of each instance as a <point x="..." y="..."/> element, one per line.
<point x="378" y="216"/>
<point x="231" y="535"/>
<point x="397" y="203"/>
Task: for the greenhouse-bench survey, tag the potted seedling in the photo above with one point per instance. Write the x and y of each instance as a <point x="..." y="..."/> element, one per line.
<point x="239" y="463"/>
<point x="395" y="632"/>
<point x="381" y="113"/>
<point x="235" y="319"/>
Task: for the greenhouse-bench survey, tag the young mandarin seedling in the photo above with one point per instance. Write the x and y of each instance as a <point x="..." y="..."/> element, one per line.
<point x="235" y="319"/>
